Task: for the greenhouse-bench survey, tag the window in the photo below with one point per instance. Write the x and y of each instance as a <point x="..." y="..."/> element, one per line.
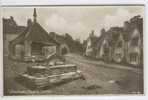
<point x="133" y="57"/>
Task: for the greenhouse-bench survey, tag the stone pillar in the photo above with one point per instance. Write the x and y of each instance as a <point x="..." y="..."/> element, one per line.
<point x="27" y="48"/>
<point x="58" y="50"/>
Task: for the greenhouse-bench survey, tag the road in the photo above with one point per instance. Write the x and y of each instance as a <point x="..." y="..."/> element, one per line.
<point x="99" y="80"/>
<point x="111" y="80"/>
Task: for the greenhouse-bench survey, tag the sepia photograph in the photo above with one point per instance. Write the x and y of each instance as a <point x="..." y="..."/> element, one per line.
<point x="73" y="50"/>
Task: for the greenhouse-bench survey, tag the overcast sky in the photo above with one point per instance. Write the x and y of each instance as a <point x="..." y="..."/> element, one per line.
<point x="78" y="21"/>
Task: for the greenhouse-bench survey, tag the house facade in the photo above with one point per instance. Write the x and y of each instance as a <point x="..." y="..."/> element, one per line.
<point x="104" y="50"/>
<point x="118" y="53"/>
<point x="63" y="48"/>
<point x="134" y="48"/>
<point x="120" y="44"/>
<point x="134" y="44"/>
<point x="10" y="31"/>
<point x="91" y="45"/>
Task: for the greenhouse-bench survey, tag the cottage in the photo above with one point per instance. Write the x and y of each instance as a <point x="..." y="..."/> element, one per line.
<point x="91" y="45"/>
<point x="104" y="50"/>
<point x="10" y="31"/>
<point x="118" y="53"/>
<point x="63" y="48"/>
<point x="133" y="36"/>
<point x="111" y="44"/>
<point x="119" y="44"/>
<point x="134" y="48"/>
<point x="34" y="41"/>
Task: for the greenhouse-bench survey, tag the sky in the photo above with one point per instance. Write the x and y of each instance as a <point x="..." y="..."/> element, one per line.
<point x="78" y="21"/>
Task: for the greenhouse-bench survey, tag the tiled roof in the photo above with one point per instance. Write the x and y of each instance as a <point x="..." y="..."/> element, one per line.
<point x="35" y="33"/>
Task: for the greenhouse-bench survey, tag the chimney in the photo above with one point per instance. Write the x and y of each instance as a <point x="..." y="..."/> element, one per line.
<point x="11" y="18"/>
<point x="126" y="25"/>
<point x="103" y="31"/>
<point x="92" y="33"/>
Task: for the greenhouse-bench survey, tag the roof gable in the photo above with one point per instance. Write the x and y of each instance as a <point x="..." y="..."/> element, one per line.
<point x="35" y="33"/>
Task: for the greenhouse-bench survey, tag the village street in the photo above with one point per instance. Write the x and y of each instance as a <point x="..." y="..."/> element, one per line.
<point x="99" y="79"/>
<point x="109" y="77"/>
